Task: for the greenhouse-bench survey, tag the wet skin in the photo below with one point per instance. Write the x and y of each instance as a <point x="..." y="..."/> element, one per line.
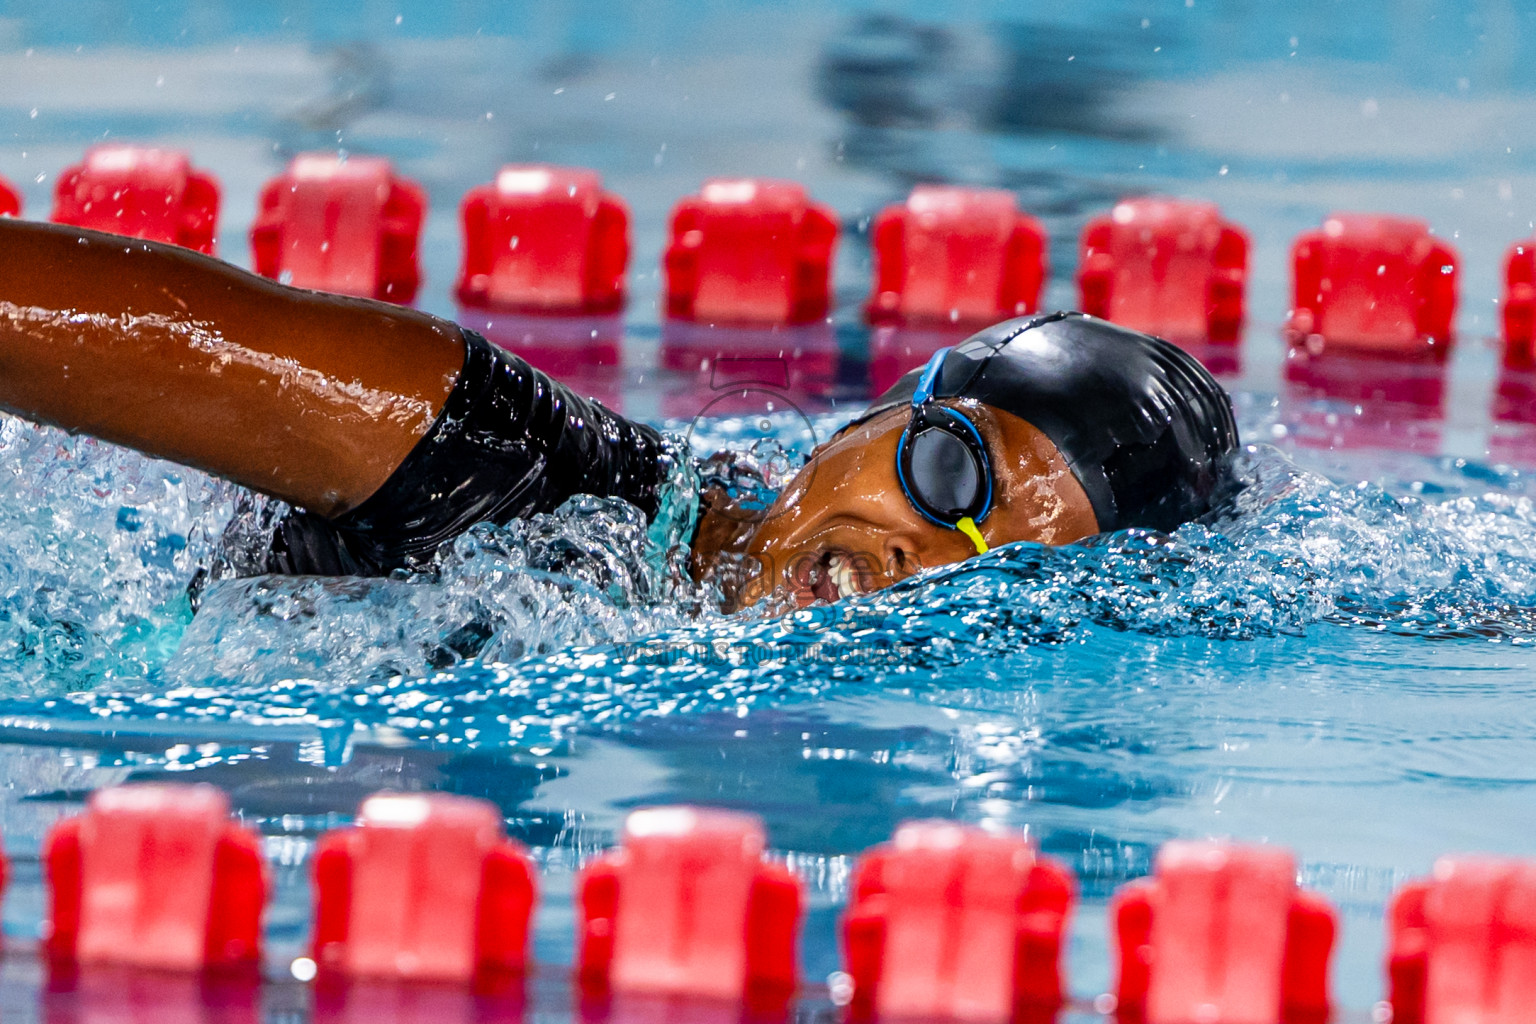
<point x="844" y="525"/>
<point x="310" y="397"/>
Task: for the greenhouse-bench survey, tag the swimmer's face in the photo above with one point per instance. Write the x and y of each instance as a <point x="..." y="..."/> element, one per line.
<point x="844" y="525"/>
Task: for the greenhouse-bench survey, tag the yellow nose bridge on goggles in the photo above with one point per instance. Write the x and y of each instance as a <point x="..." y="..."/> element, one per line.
<point x="967" y="526"/>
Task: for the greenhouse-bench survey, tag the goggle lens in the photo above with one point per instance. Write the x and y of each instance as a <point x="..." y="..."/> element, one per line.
<point x="943" y="474"/>
<point x="942" y="464"/>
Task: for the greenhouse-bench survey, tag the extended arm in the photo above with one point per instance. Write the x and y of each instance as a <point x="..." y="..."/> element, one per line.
<point x="390" y="429"/>
<point x="312" y="398"/>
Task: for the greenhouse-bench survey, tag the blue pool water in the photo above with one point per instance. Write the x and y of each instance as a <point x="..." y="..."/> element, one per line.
<point x="1340" y="664"/>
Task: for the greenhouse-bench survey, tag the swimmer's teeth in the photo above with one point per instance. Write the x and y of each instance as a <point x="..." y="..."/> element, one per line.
<point x="842" y="574"/>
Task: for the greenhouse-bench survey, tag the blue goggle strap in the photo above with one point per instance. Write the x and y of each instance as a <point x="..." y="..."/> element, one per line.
<point x="929" y="378"/>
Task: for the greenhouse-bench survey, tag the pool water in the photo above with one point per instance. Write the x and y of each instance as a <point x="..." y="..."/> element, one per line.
<point x="1338" y="663"/>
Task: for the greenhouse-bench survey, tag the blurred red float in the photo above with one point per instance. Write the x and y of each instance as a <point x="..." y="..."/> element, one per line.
<point x="950" y="922"/>
<point x="1220" y="932"/>
<point x="154" y="194"/>
<point x="687" y="906"/>
<point x="10" y="200"/>
<point x="544" y="239"/>
<point x="156" y="875"/>
<point x="349" y="226"/>
<point x="750" y="251"/>
<point x="1169" y="267"/>
<point x="1374" y="284"/>
<point x="425" y="887"/>
<point x="955" y="255"/>
<point x="1462" y="944"/>
<point x="1520" y="306"/>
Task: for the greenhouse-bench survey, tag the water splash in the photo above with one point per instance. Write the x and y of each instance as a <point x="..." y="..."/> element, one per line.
<point x="585" y="618"/>
<point x="97" y="545"/>
<point x="587" y="574"/>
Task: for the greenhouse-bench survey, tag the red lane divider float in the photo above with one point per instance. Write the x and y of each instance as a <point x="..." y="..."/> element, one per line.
<point x="1169" y="267"/>
<point x="348" y="226"/>
<point x="1373" y="284"/>
<point x="955" y="255"/>
<point x="946" y="261"/>
<point x="946" y="922"/>
<point x="1462" y="944"/>
<point x="1221" y="935"/>
<point x="10" y="200"/>
<point x="154" y="194"/>
<point x="544" y="239"/>
<point x="155" y="876"/>
<point x="750" y="251"/>
<point x="423" y="887"/>
<point x="755" y="255"/>
<point x="1520" y="306"/>
<point x="5" y="872"/>
<point x="688" y="907"/>
<point x="953" y="922"/>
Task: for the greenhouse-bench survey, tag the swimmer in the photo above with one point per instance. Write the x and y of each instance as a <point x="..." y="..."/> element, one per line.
<point x="390" y="431"/>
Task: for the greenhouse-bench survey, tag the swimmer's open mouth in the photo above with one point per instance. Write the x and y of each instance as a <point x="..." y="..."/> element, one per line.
<point x="835" y="575"/>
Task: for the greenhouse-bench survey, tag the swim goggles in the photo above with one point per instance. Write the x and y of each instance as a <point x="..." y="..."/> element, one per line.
<point x="942" y="464"/>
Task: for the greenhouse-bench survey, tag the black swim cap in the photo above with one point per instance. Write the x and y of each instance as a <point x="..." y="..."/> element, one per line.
<point x="1144" y="427"/>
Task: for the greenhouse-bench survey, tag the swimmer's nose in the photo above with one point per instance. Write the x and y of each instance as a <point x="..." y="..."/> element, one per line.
<point x="902" y="557"/>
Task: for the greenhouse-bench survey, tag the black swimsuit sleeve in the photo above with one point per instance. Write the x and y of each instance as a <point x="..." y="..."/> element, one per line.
<point x="508" y="442"/>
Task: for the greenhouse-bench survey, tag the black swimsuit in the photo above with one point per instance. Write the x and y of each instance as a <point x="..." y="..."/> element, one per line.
<point x="508" y="442"/>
